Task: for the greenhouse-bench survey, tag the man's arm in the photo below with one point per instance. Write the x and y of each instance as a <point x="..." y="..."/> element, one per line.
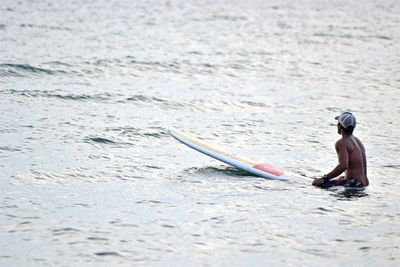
<point x="343" y="158"/>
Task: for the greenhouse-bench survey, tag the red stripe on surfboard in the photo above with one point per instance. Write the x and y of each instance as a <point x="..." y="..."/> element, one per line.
<point x="268" y="168"/>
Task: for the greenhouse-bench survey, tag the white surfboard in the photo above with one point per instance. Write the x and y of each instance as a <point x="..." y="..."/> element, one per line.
<point x="256" y="168"/>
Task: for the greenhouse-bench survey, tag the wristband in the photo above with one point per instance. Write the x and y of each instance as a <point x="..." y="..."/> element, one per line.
<point x="326" y="179"/>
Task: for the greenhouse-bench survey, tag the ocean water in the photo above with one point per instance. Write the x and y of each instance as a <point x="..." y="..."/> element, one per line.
<point x="90" y="177"/>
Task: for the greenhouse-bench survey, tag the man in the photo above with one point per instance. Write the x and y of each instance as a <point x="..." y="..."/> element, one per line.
<point x="351" y="156"/>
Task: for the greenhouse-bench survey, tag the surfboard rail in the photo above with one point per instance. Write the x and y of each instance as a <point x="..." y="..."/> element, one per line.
<point x="256" y="168"/>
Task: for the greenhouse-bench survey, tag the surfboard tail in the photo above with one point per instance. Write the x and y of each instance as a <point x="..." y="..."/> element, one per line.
<point x="270" y="169"/>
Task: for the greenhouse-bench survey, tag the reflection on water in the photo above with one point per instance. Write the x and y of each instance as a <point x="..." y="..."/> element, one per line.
<point x="349" y="194"/>
<point x="226" y="170"/>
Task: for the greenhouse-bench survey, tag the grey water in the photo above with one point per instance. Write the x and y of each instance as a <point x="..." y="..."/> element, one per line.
<point x="89" y="175"/>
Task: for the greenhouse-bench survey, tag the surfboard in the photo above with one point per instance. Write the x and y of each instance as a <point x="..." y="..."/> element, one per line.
<point x="256" y="168"/>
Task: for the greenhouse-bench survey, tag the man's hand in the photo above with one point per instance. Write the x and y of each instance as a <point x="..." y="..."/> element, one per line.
<point x="318" y="182"/>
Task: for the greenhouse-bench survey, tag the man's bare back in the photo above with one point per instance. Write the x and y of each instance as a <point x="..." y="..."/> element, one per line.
<point x="351" y="157"/>
<point x="357" y="165"/>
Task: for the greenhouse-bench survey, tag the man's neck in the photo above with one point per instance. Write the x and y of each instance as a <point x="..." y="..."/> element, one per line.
<point x="344" y="135"/>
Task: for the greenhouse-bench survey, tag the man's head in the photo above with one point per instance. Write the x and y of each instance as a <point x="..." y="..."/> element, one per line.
<point x="346" y="122"/>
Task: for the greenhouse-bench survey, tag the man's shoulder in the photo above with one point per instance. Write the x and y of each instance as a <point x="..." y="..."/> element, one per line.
<point x="357" y="139"/>
<point x="359" y="142"/>
<point x="340" y="143"/>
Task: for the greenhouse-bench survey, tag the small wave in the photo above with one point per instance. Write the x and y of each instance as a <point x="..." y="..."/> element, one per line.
<point x="100" y="140"/>
<point x="101" y="97"/>
<point x="64" y="231"/>
<point x="151" y="100"/>
<point x="167" y="226"/>
<point x="254" y="104"/>
<point x="170" y="65"/>
<point x="350" y="36"/>
<point x="183" y="66"/>
<point x="393" y="166"/>
<point x="81" y="205"/>
<point x="126" y="129"/>
<point x="53" y="94"/>
<point x="9" y="149"/>
<point x="228" y="18"/>
<point x="382" y="37"/>
<point x="2" y="26"/>
<point x="108" y="254"/>
<point x="59" y="63"/>
<point x="149" y="202"/>
<point x="132" y="131"/>
<point x="142" y="98"/>
<point x="157" y="134"/>
<point x="24" y="223"/>
<point x="18" y="70"/>
<point x="220" y="17"/>
<point x="324" y="210"/>
<point x="45" y="27"/>
<point x="153" y="167"/>
<point x="95" y="238"/>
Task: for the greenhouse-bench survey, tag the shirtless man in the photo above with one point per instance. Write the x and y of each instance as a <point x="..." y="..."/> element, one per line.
<point x="351" y="156"/>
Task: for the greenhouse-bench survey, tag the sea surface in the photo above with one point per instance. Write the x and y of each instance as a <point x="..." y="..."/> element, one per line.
<point x="89" y="175"/>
